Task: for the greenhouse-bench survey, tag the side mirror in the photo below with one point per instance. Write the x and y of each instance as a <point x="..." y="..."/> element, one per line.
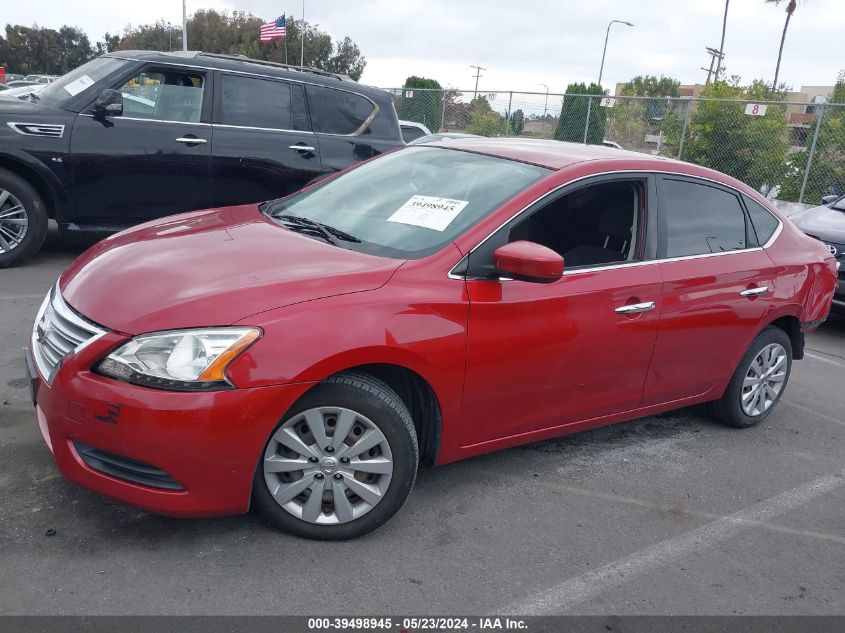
<point x="829" y="199"/>
<point x="109" y="103"/>
<point x="528" y="261"/>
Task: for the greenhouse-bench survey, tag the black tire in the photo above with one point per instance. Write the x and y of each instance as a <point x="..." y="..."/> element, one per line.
<point x="729" y="408"/>
<point x="385" y="409"/>
<point x="36" y="214"/>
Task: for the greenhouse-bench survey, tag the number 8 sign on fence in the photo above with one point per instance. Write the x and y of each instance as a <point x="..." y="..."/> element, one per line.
<point x="755" y="109"/>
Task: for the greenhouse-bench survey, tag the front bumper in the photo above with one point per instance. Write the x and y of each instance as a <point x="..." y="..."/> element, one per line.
<point x="209" y="443"/>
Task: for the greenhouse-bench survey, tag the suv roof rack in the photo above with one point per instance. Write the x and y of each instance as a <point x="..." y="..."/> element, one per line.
<point x="303" y="69"/>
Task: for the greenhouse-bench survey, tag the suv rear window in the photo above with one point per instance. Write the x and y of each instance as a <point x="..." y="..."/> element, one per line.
<point x="337" y="111"/>
<point x="253" y="102"/>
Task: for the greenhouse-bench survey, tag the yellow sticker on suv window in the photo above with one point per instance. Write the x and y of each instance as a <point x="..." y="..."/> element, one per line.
<point x="429" y="212"/>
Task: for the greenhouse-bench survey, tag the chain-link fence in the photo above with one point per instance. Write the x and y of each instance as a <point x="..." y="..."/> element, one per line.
<point x="790" y="151"/>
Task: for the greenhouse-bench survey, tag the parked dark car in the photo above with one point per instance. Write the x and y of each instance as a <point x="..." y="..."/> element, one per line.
<point x="827" y="223"/>
<point x="137" y="135"/>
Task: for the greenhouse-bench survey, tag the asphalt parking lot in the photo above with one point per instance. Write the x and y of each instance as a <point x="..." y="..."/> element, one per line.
<point x="672" y="514"/>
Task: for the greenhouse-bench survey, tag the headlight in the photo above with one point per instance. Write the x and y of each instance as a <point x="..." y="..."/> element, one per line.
<point x="181" y="360"/>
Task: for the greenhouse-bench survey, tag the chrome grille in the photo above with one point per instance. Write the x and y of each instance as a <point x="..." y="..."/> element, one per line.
<point x="58" y="332"/>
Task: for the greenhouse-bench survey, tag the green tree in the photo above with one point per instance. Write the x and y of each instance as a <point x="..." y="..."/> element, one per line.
<point x="426" y="104"/>
<point x="651" y="86"/>
<point x="573" y="115"/>
<point x="40" y="50"/>
<point x="482" y="119"/>
<point x="630" y="120"/>
<point x="517" y="123"/>
<point x="721" y="136"/>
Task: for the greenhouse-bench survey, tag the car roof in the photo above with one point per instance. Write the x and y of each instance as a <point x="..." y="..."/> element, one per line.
<point x="242" y="63"/>
<point x="546" y="153"/>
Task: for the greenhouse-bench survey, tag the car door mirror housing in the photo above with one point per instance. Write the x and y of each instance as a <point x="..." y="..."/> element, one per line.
<point x="109" y="103"/>
<point x="528" y="261"/>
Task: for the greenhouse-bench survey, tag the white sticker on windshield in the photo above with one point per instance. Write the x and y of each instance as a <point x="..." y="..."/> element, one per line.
<point x="429" y="212"/>
<point x="78" y="85"/>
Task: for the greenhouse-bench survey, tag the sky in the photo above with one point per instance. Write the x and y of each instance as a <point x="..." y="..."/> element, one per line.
<point x="523" y="45"/>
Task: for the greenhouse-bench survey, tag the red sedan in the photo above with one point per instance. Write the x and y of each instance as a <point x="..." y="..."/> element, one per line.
<point x="438" y="302"/>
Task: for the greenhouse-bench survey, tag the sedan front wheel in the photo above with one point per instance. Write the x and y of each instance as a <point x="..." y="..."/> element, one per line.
<point x="341" y="463"/>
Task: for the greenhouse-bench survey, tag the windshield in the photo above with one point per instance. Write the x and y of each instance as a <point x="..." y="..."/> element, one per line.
<point x="412" y="202"/>
<point x="83" y="78"/>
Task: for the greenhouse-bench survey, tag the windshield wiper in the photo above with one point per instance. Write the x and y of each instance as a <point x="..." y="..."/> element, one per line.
<point x="329" y="232"/>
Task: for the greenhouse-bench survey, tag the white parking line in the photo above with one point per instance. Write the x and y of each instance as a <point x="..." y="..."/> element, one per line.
<point x="15" y="297"/>
<point x="569" y="593"/>
<point x="819" y="415"/>
<point x="824" y="359"/>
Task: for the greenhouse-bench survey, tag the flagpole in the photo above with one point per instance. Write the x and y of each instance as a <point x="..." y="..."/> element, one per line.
<point x="286" y="39"/>
<point x="302" y="40"/>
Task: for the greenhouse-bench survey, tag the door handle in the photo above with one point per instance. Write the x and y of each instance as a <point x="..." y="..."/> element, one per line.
<point x="753" y="292"/>
<point x="302" y="148"/>
<point x="188" y="140"/>
<point x="635" y="307"/>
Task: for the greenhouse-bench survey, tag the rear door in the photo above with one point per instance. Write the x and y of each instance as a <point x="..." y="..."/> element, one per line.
<point x="151" y="161"/>
<point x="717" y="287"/>
<point x="263" y="145"/>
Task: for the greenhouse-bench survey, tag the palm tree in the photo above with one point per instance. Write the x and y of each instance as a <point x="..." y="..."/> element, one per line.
<point x="722" y="44"/>
<point x="790" y="9"/>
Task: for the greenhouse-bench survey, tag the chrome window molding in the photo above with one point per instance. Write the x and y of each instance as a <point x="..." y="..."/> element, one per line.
<point x="43" y="130"/>
<point x="132" y="118"/>
<point x="266" y="129"/>
<point x="633" y="173"/>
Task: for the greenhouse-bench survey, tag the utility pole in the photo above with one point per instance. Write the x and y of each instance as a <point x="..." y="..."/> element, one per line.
<point x="722" y="43"/>
<point x="714" y="55"/>
<point x="184" y="27"/>
<point x="478" y="70"/>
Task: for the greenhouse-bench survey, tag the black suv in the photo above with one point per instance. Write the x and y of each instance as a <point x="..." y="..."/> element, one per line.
<point x="136" y="135"/>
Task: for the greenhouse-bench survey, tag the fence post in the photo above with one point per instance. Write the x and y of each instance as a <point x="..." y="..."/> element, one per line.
<point x="684" y="129"/>
<point x="508" y="120"/>
<point x="587" y="123"/>
<point x="812" y="153"/>
<point x="443" y="113"/>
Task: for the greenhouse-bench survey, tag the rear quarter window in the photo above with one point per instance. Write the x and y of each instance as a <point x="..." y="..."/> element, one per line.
<point x="765" y="224"/>
<point x="337" y="111"/>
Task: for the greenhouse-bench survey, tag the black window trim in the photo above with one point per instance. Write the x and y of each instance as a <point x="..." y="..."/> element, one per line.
<point x="216" y="118"/>
<point x="751" y="242"/>
<point x="209" y="70"/>
<point x="744" y="197"/>
<point x="648" y="228"/>
<point x="458" y="271"/>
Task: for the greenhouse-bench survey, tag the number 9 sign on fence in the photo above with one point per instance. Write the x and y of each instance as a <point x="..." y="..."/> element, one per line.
<point x="755" y="109"/>
<point x="608" y="102"/>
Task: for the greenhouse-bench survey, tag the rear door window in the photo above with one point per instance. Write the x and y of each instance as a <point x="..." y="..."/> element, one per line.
<point x="765" y="224"/>
<point x="699" y="219"/>
<point x="253" y="102"/>
<point x="337" y="111"/>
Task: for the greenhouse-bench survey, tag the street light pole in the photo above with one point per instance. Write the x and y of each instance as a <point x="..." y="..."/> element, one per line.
<point x="302" y="39"/>
<point x="184" y="27"/>
<point x="546" y="104"/>
<point x="607" y="35"/>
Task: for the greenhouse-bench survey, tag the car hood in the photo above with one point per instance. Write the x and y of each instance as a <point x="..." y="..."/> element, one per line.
<point x="12" y="105"/>
<point x="823" y="222"/>
<point x="207" y="268"/>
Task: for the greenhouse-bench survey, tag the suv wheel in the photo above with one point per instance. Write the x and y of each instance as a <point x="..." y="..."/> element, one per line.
<point x="341" y="463"/>
<point x="758" y="382"/>
<point x="23" y="220"/>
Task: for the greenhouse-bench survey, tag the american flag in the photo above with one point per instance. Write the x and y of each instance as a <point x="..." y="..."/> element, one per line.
<point x="272" y="30"/>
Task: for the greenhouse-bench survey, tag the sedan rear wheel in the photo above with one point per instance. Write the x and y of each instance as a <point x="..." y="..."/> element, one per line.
<point x="759" y="380"/>
<point x="341" y="463"/>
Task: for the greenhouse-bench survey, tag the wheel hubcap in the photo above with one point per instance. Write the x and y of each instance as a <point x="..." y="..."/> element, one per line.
<point x="328" y="465"/>
<point x="764" y="380"/>
<point x="13" y="222"/>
